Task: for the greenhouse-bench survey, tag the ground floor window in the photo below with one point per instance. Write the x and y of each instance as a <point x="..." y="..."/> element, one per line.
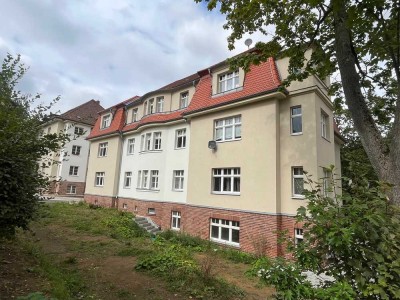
<point x="176" y="220"/>
<point x="225" y="231"/>
<point x="71" y="189"/>
<point x="298" y="235"/>
<point x="99" y="178"/>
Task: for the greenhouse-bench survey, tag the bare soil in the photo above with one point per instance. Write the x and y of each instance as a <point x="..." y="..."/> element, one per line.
<point x="106" y="275"/>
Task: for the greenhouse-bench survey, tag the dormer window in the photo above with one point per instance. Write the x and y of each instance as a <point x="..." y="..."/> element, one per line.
<point x="160" y="104"/>
<point x="106" y="121"/>
<point x="134" y="114"/>
<point x="228" y="81"/>
<point x="151" y="106"/>
<point x="184" y="101"/>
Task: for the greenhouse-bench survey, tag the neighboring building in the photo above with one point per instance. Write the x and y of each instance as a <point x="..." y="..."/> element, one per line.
<point x="219" y="154"/>
<point x="67" y="169"/>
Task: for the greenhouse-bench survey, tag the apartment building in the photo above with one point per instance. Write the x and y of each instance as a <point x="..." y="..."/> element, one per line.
<point x="67" y="168"/>
<point x="219" y="154"/>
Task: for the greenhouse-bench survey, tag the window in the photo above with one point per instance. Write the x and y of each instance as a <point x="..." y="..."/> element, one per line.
<point x="296" y="120"/>
<point x="73" y="170"/>
<point x="157" y="140"/>
<point x="154" y="180"/>
<point x="176" y="220"/>
<point x="49" y="130"/>
<point x="128" y="179"/>
<point x="178" y="180"/>
<point x="225" y="231"/>
<point x="76" y="150"/>
<point x="160" y="104"/>
<point x="151" y="106"/>
<point x="71" y="189"/>
<point x="228" y="81"/>
<point x="143" y="177"/>
<point x="131" y="146"/>
<point x="150" y="141"/>
<point x="134" y="114"/>
<point x="124" y="206"/>
<point x="226" y="181"/>
<point x="77" y="130"/>
<point x="298" y="236"/>
<point x="184" y="101"/>
<point x="106" y="121"/>
<point x="324" y="125"/>
<point x="99" y="178"/>
<point x="103" y="148"/>
<point x="298" y="181"/>
<point x="145" y="108"/>
<point x="151" y="211"/>
<point x="326" y="182"/>
<point x="180" y="139"/>
<point x="228" y="129"/>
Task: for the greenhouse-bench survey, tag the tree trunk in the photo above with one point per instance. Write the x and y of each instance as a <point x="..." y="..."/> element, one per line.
<point x="385" y="161"/>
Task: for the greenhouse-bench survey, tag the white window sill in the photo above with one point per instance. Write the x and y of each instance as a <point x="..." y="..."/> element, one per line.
<point x="298" y="133"/>
<point x="150" y="151"/>
<point x="101" y="156"/>
<point x="99" y="186"/>
<point x="227" y="141"/>
<point x="226" y="193"/>
<point x="177" y="190"/>
<point x="129" y="154"/>
<point x="175" y="229"/>
<point x="226" y="243"/>
<point x="127" y="187"/>
<point x="298" y="197"/>
<point x="181" y="148"/>
<point x="147" y="190"/>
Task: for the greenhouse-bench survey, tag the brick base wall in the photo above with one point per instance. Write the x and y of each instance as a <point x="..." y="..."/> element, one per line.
<point x="258" y="232"/>
<point x="63" y="185"/>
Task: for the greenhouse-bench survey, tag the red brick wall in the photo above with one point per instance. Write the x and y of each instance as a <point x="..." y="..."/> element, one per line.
<point x="257" y="231"/>
<point x="62" y="188"/>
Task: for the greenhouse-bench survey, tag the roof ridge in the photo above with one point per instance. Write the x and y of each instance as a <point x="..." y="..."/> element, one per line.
<point x="79" y="106"/>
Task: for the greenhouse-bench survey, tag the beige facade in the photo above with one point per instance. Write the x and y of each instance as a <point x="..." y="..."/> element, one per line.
<point x="108" y="164"/>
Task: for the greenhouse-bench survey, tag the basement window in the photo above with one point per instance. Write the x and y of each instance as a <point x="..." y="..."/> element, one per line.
<point x="151" y="211"/>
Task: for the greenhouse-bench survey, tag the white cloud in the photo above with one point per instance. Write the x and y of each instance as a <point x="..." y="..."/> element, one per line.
<point x="109" y="50"/>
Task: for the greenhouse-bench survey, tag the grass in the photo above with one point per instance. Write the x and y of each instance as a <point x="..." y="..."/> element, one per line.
<point x="170" y="256"/>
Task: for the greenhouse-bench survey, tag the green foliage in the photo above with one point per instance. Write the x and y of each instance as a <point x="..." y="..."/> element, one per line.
<point x="123" y="227"/>
<point x="34" y="296"/>
<point x="236" y="256"/>
<point x="176" y="265"/>
<point x="183" y="239"/>
<point x="21" y="148"/>
<point x="354" y="238"/>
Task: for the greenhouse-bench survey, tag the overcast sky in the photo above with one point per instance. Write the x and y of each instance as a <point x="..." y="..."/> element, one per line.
<point x="110" y="50"/>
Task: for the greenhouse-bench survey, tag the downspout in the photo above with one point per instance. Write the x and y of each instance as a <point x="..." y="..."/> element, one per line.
<point x="119" y="163"/>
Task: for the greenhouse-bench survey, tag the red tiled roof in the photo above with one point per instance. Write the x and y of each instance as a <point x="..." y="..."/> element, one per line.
<point x="84" y="113"/>
<point x="261" y="78"/>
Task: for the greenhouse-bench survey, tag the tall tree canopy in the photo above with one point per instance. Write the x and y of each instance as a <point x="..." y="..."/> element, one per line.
<point x="21" y="147"/>
<point x="358" y="38"/>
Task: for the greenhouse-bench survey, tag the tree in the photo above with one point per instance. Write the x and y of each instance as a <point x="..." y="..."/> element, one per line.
<point x="21" y="148"/>
<point x="359" y="39"/>
<point x="356" y="243"/>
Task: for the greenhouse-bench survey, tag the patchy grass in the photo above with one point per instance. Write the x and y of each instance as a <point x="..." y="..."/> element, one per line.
<point x="88" y="252"/>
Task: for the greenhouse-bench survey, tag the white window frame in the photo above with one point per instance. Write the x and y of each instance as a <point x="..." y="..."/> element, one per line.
<point x="147" y="142"/>
<point x="222" y="223"/>
<point x="103" y="149"/>
<point x="326" y="182"/>
<point x="294" y="177"/>
<point x="154" y="179"/>
<point x="298" y="236"/>
<point x="225" y="79"/>
<point x="128" y="179"/>
<point x="160" y="104"/>
<point x="151" y="107"/>
<point x="180" y="138"/>
<point x="76" y="150"/>
<point x="184" y="100"/>
<point x="134" y="114"/>
<point x="175" y="220"/>
<point x="222" y="125"/>
<point x="324" y="125"/>
<point x="71" y="189"/>
<point x="225" y="174"/>
<point x="157" y="140"/>
<point x="99" y="178"/>
<point x="77" y="130"/>
<point x="143" y="181"/>
<point x="178" y="180"/>
<point x="151" y="211"/>
<point x="294" y="116"/>
<point x="105" y="121"/>
<point x="145" y="108"/>
<point x="130" y="146"/>
<point x="73" y="170"/>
